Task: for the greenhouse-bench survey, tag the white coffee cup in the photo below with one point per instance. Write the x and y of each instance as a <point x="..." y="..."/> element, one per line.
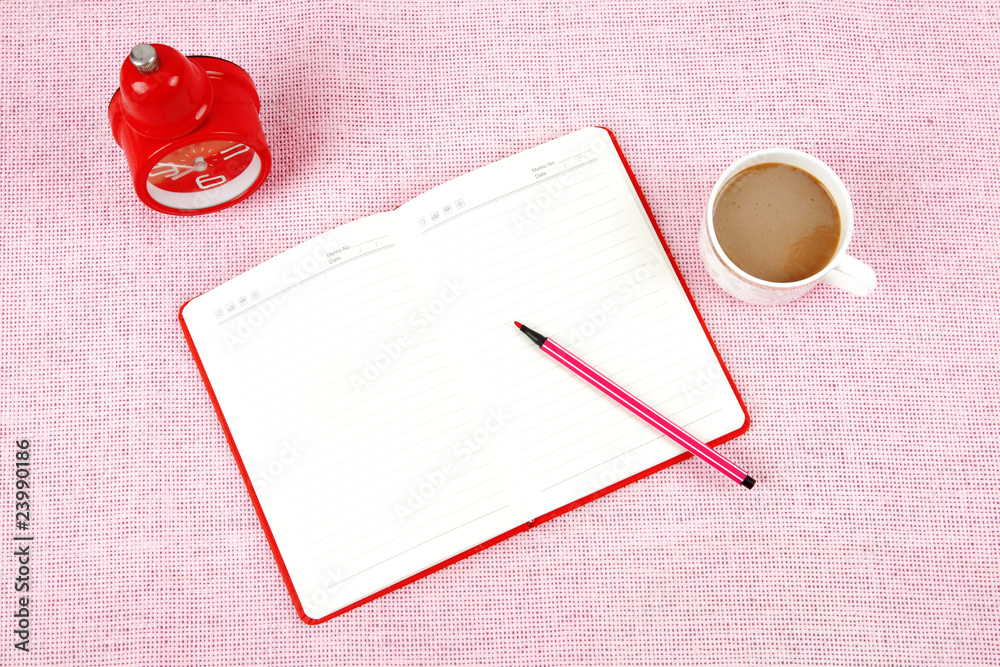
<point x="841" y="271"/>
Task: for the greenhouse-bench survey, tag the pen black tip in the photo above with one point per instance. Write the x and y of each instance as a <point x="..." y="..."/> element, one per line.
<point x="748" y="482"/>
<point x="536" y="338"/>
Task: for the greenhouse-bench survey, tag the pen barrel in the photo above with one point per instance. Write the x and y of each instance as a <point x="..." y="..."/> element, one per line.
<point x="644" y="412"/>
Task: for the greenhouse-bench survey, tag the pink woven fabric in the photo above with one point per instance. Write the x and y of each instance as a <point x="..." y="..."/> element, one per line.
<point x="872" y="536"/>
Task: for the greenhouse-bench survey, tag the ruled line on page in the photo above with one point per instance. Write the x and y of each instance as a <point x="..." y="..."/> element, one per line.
<point x="581" y="389"/>
<point x="421" y="528"/>
<point x="625" y="418"/>
<point x="582" y="287"/>
<point x="618" y="372"/>
<point x="320" y="389"/>
<point x="516" y="341"/>
<point x="389" y="439"/>
<point x="542" y="406"/>
<point x="477" y="485"/>
<point x="602" y="463"/>
<point x="576" y="155"/>
<point x="361" y="452"/>
<point x="397" y="417"/>
<point x="458" y="232"/>
<point x="341" y="378"/>
<point x="505" y="195"/>
<point x="606" y="363"/>
<point x="332" y="349"/>
<point x="353" y="407"/>
<point x="539" y="226"/>
<point x="381" y="509"/>
<point x="574" y="279"/>
<point x="315" y="470"/>
<point x="394" y="525"/>
<point x="579" y="452"/>
<point x="288" y="320"/>
<point x="415" y="546"/>
<point x="619" y="455"/>
<point x="506" y="227"/>
<point x="563" y="252"/>
<point x="626" y="350"/>
<point x="589" y="269"/>
<point x="567" y="249"/>
<point x="407" y="463"/>
<point x="483" y="239"/>
<point x="261" y="302"/>
<point x="394" y="457"/>
<point x="323" y="340"/>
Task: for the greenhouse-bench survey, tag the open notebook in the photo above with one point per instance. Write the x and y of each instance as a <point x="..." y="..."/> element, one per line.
<point x="386" y="414"/>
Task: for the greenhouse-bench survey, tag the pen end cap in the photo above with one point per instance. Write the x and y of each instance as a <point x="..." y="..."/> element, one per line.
<point x="748" y="482"/>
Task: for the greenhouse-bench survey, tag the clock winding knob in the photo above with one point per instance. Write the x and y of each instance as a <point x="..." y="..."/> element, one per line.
<point x="144" y="58"/>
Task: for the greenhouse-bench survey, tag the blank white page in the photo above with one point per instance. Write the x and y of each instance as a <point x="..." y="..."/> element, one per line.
<point x="556" y="237"/>
<point x="350" y="416"/>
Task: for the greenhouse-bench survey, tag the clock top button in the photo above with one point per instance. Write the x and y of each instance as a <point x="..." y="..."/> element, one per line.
<point x="145" y="59"/>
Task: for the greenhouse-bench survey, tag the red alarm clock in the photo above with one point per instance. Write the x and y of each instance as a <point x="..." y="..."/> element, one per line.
<point x="190" y="130"/>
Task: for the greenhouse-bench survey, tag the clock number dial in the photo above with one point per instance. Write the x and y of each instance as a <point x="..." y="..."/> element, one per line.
<point x="201" y="166"/>
<point x="205" y="182"/>
<point x="233" y="151"/>
<point x="169" y="170"/>
<point x="203" y="174"/>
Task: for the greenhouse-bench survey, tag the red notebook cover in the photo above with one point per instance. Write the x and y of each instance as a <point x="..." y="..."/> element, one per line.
<point x="503" y="536"/>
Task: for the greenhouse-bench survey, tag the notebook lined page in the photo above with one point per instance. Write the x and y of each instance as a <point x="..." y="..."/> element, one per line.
<point x="350" y="415"/>
<point x="557" y="238"/>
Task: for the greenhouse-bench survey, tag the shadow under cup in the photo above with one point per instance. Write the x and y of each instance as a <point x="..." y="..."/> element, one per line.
<point x="745" y="286"/>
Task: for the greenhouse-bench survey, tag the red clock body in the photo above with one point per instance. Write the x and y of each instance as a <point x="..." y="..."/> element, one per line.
<point x="190" y="130"/>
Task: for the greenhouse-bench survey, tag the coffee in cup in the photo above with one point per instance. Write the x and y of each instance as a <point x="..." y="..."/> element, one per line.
<point x="777" y="223"/>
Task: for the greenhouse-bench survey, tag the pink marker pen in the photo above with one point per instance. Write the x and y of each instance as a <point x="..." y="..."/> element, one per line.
<point x="638" y="408"/>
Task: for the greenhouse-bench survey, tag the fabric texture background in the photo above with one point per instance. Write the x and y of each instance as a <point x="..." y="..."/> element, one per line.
<point x="872" y="536"/>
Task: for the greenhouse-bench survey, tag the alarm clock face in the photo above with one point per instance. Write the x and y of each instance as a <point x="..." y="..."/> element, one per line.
<point x="203" y="174"/>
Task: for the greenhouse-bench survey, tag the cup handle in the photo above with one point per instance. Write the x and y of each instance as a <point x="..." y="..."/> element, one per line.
<point x="852" y="275"/>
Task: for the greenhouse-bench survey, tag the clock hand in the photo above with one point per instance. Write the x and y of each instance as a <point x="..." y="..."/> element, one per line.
<point x="174" y="171"/>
